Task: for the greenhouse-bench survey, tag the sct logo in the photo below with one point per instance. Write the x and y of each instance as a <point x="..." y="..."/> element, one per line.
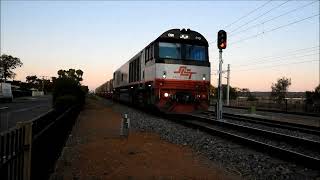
<point x="183" y="71"/>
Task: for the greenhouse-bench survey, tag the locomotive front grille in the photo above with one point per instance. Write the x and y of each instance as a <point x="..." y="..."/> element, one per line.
<point x="184" y="97"/>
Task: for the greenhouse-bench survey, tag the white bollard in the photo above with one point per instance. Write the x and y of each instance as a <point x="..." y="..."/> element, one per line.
<point x="125" y="126"/>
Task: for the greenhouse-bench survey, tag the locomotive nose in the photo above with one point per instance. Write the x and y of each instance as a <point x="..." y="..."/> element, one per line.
<point x="184" y="97"/>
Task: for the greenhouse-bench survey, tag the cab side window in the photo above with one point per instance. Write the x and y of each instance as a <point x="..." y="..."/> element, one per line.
<point x="149" y="53"/>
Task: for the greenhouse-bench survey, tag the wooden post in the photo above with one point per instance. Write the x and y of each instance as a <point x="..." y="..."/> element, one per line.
<point x="27" y="143"/>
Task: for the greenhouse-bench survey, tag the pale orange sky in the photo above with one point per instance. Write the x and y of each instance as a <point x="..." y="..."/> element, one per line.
<point x="98" y="37"/>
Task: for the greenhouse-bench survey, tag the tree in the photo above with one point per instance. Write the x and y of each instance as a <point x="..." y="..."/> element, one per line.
<point x="245" y="92"/>
<point x="212" y="90"/>
<point x="280" y="89"/>
<point x="67" y="89"/>
<point x="72" y="74"/>
<point x="313" y="97"/>
<point x="31" y="79"/>
<point x="61" y="73"/>
<point x="79" y="73"/>
<point x="233" y="92"/>
<point x="317" y="89"/>
<point x="7" y="64"/>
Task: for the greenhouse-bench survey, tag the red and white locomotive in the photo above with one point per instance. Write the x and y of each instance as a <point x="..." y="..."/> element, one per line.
<point x="172" y="74"/>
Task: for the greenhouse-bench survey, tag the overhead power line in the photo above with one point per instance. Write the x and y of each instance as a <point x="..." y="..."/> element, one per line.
<point x="279" y="27"/>
<point x="288" y="51"/>
<point x="271" y="19"/>
<point x="235" y="29"/>
<point x="247" y="14"/>
<point x="269" y="67"/>
<point x="267" y="58"/>
<point x="244" y="17"/>
<point x="278" y="55"/>
<point x="273" y="60"/>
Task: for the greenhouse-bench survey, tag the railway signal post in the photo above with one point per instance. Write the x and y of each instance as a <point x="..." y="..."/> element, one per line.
<point x="222" y="44"/>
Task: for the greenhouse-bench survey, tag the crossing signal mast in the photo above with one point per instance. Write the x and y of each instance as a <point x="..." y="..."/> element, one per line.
<point x="222" y="44"/>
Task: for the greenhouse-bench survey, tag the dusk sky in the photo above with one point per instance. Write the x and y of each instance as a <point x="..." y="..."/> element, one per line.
<point x="281" y="37"/>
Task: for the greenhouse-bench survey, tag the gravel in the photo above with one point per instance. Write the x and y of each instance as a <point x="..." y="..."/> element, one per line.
<point x="234" y="157"/>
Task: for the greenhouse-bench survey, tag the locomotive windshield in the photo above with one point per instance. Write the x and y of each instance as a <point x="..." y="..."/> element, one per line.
<point x="182" y="51"/>
<point x="194" y="52"/>
<point x="170" y="50"/>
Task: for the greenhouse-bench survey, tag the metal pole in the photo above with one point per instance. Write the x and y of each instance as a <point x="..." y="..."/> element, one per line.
<point x="42" y="83"/>
<point x="219" y="109"/>
<point x="228" y="85"/>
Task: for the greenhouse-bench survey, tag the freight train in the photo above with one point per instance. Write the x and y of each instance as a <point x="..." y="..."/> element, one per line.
<point x="105" y="90"/>
<point x="172" y="74"/>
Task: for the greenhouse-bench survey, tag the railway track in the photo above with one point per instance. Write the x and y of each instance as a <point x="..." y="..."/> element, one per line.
<point x="292" y="148"/>
<point x="276" y="111"/>
<point x="270" y="123"/>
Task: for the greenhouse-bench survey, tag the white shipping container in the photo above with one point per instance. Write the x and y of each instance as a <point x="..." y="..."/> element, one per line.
<point x="5" y="91"/>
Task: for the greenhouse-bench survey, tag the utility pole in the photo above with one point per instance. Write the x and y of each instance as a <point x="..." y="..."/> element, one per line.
<point x="42" y="84"/>
<point x="228" y="84"/>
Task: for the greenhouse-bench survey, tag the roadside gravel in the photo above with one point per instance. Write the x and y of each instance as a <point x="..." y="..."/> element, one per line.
<point x="235" y="158"/>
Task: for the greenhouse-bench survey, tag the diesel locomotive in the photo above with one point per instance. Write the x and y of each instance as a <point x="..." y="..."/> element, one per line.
<point x="172" y="74"/>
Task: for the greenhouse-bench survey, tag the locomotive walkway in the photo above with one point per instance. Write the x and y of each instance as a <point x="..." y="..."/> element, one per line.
<point x="95" y="150"/>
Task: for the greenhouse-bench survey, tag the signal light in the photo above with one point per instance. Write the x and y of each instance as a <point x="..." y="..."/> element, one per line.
<point x="222" y="39"/>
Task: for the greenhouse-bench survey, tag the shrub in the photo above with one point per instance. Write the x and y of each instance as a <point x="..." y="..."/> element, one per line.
<point x="63" y="102"/>
<point x="67" y="92"/>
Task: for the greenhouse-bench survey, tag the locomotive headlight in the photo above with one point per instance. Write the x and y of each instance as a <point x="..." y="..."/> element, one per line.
<point x="166" y="94"/>
<point x="164" y="75"/>
<point x="204" y="77"/>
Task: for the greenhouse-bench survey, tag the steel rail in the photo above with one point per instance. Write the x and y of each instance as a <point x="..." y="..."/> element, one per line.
<point x="257" y="131"/>
<point x="282" y="153"/>
<point x="277" y="111"/>
<point x="274" y="123"/>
